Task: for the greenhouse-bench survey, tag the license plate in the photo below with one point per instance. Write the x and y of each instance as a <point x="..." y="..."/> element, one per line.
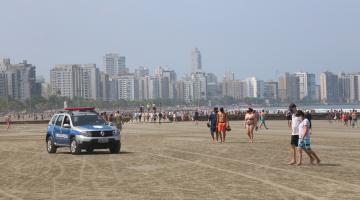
<point x="103" y="140"/>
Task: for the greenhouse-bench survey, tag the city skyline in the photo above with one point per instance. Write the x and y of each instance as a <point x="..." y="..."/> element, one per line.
<point x="261" y="38"/>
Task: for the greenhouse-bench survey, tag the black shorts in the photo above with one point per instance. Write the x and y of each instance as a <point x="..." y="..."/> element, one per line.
<point x="294" y="140"/>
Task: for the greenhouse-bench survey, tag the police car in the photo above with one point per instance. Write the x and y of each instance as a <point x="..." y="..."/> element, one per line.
<point x="81" y="128"/>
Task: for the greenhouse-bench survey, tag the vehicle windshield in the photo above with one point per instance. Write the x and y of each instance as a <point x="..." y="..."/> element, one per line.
<point x="81" y="120"/>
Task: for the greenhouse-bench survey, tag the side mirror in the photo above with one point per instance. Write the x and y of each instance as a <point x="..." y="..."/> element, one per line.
<point x="111" y="124"/>
<point x="66" y="126"/>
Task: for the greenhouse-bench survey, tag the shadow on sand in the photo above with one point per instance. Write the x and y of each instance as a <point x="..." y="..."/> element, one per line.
<point x="98" y="153"/>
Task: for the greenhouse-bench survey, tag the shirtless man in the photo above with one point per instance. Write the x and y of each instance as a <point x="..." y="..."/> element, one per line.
<point x="222" y="124"/>
<point x="250" y="123"/>
<point x="262" y="119"/>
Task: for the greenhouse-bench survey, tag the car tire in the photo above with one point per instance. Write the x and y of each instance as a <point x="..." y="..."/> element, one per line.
<point x="74" y="147"/>
<point x="115" y="148"/>
<point x="89" y="150"/>
<point x="50" y="146"/>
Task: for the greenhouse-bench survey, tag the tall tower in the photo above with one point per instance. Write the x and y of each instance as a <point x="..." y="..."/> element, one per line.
<point x="195" y="60"/>
<point x="114" y="64"/>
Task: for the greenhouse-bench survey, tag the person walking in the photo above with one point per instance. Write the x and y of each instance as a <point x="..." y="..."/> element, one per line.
<point x="222" y="124"/>
<point x="8" y="122"/>
<point x="250" y="123"/>
<point x="295" y="122"/>
<point x="118" y="120"/>
<point x="304" y="139"/>
<point x="160" y="117"/>
<point x="262" y="119"/>
<point x="212" y="121"/>
<point x="196" y="117"/>
<point x="354" y="119"/>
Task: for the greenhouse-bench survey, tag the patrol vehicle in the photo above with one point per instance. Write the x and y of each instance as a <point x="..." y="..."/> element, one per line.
<point x="81" y="128"/>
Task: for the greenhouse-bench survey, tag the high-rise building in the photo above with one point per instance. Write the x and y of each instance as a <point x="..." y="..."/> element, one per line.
<point x="289" y="87"/>
<point x="104" y="87"/>
<point x="114" y="64"/>
<point x="92" y="80"/>
<point x="154" y="87"/>
<point x="20" y="79"/>
<point x="234" y="88"/>
<point x="141" y="71"/>
<point x="254" y="88"/>
<point x="167" y="82"/>
<point x="344" y="87"/>
<point x="229" y="75"/>
<point x="213" y="88"/>
<point x="67" y="80"/>
<point x="113" y="89"/>
<point x="144" y="87"/>
<point x="307" y="85"/>
<point x="271" y="89"/>
<point x="199" y="86"/>
<point x="3" y="85"/>
<point x="354" y="87"/>
<point x="196" y="60"/>
<point x="127" y="87"/>
<point x="38" y="86"/>
<point x="329" y="90"/>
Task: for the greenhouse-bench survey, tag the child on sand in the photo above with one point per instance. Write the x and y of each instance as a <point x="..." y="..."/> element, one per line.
<point x="304" y="139"/>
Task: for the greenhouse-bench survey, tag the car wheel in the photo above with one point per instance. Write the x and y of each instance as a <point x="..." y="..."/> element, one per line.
<point x="74" y="147"/>
<point x="89" y="150"/>
<point x="115" y="148"/>
<point x="50" y="146"/>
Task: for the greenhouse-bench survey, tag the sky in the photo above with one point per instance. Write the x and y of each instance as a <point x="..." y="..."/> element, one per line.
<point x="262" y="38"/>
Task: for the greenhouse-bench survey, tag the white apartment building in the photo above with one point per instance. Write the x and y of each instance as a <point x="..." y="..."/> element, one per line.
<point x="254" y="88"/>
<point x="67" y="80"/>
<point x="307" y="85"/>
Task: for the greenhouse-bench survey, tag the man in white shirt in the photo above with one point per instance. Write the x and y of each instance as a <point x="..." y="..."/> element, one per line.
<point x="295" y="121"/>
<point x="304" y="139"/>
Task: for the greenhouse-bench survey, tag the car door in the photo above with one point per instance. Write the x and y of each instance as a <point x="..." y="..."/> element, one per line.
<point x="51" y="125"/>
<point x="57" y="130"/>
<point x="65" y="131"/>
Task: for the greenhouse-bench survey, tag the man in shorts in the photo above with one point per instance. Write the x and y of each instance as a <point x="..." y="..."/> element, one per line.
<point x="295" y="122"/>
<point x="222" y="124"/>
<point x="212" y="125"/>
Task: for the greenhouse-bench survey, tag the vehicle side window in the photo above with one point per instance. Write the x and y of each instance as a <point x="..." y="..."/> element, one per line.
<point x="66" y="120"/>
<point x="59" y="120"/>
<point x="53" y="120"/>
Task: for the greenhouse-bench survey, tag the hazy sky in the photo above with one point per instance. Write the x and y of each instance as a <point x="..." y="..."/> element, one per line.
<point x="250" y="37"/>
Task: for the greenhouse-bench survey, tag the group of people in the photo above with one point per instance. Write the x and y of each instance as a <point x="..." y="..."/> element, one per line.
<point x="300" y="124"/>
<point x="300" y="137"/>
<point x="347" y="118"/>
<point x="218" y="122"/>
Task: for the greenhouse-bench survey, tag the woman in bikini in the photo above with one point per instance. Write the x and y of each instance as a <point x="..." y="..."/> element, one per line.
<point x="250" y="123"/>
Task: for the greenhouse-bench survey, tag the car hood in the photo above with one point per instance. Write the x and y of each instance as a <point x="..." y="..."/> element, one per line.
<point x="94" y="128"/>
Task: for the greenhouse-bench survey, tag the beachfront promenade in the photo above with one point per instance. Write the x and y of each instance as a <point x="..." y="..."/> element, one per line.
<point x="178" y="161"/>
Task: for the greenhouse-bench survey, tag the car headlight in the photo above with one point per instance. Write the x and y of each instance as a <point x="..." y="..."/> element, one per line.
<point x="116" y="132"/>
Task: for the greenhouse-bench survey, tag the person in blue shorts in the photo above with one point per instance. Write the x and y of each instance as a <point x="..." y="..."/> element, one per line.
<point x="212" y="124"/>
<point x="304" y="139"/>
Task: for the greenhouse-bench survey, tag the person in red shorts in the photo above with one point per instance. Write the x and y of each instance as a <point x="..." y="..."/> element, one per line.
<point x="222" y="124"/>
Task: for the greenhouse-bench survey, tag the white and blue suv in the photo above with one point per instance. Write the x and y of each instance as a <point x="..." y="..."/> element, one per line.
<point x="81" y="128"/>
